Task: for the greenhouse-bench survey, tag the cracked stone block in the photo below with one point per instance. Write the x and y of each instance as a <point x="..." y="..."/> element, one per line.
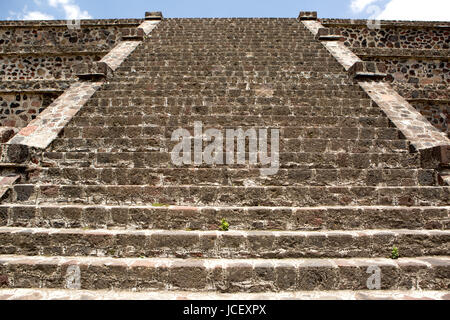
<point x="136" y="34"/>
<point x="92" y="70"/>
<point x="156" y="15"/>
<point x="329" y="34"/>
<point x="6" y="133"/>
<point x="368" y="69"/>
<point x="14" y="153"/>
<point x="435" y="157"/>
<point x="308" y="15"/>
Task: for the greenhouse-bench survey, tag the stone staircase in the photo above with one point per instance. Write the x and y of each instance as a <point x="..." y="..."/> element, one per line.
<point x="107" y="209"/>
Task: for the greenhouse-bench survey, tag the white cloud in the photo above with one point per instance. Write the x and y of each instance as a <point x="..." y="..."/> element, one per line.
<point x="429" y="10"/>
<point x="37" y="15"/>
<point x="29" y="15"/>
<point x="359" y="5"/>
<point x="71" y="9"/>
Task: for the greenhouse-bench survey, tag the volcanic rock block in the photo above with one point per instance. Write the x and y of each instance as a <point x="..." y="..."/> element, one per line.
<point x="157" y="15"/>
<point x="6" y="133"/>
<point x="133" y="34"/>
<point x="329" y="34"/>
<point x="92" y="71"/>
<point x="368" y="69"/>
<point x="308" y="15"/>
<point x="14" y="153"/>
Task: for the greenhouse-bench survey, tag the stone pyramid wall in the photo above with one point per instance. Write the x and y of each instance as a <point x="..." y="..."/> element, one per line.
<point x="93" y="198"/>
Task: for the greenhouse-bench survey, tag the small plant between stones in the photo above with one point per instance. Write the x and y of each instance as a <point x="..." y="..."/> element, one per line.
<point x="159" y="205"/>
<point x="224" y="225"/>
<point x="394" y="253"/>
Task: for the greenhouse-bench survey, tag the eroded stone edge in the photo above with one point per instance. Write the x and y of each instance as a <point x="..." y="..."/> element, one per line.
<point x="41" y="132"/>
<point x="432" y="144"/>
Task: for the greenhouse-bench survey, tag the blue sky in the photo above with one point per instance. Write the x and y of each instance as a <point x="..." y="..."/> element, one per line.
<point x="437" y="10"/>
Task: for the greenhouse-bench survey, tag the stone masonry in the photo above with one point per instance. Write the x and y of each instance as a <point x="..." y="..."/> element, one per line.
<point x="37" y="60"/>
<point x="416" y="55"/>
<point x="93" y="205"/>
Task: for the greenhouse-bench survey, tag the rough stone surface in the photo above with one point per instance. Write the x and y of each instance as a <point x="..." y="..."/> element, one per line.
<point x="408" y="120"/>
<point x="100" y="204"/>
<point x="43" y="130"/>
<point x="55" y="294"/>
<point x="412" y="124"/>
<point x="416" y="54"/>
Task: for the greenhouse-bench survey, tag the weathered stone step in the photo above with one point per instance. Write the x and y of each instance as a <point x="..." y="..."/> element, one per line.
<point x="150" y="127"/>
<point x="299" y="53"/>
<point x="189" y="42"/>
<point x="146" y="106"/>
<point x="256" y="88"/>
<point x="290" y="126"/>
<point x="223" y="63"/>
<point x="305" y="80"/>
<point x="236" y="244"/>
<point x="176" y="93"/>
<point x="224" y="275"/>
<point x="230" y="195"/>
<point x="228" y="101"/>
<point x="69" y="294"/>
<point x="243" y="77"/>
<point x="256" y="110"/>
<point x="162" y="217"/>
<point x="287" y="160"/>
<point x="219" y="70"/>
<point x="210" y="35"/>
<point x="243" y="50"/>
<point x="230" y="63"/>
<point x="308" y="49"/>
<point x="235" y="177"/>
<point x="242" y="56"/>
<point x="285" y="145"/>
<point x="129" y="74"/>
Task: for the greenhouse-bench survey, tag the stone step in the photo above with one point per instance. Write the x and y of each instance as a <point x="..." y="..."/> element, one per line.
<point x="141" y="127"/>
<point x="303" y="51"/>
<point x="230" y="195"/>
<point x="221" y="47"/>
<point x="232" y="87"/>
<point x="234" y="177"/>
<point x="290" y="126"/>
<point x="224" y="275"/>
<point x="236" y="244"/>
<point x="178" y="93"/>
<point x="305" y="80"/>
<point x="287" y="160"/>
<point x="285" y="145"/>
<point x="311" y="78"/>
<point x="223" y="58"/>
<point x="70" y="294"/>
<point x="307" y="50"/>
<point x="162" y="217"/>
<point x="231" y="70"/>
<point x="308" y="107"/>
<point x="228" y="101"/>
<point x="231" y="63"/>
<point x="190" y="42"/>
<point x="130" y="74"/>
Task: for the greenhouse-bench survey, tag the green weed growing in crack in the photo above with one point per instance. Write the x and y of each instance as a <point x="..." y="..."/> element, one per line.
<point x="159" y="205"/>
<point x="224" y="225"/>
<point x="394" y="253"/>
